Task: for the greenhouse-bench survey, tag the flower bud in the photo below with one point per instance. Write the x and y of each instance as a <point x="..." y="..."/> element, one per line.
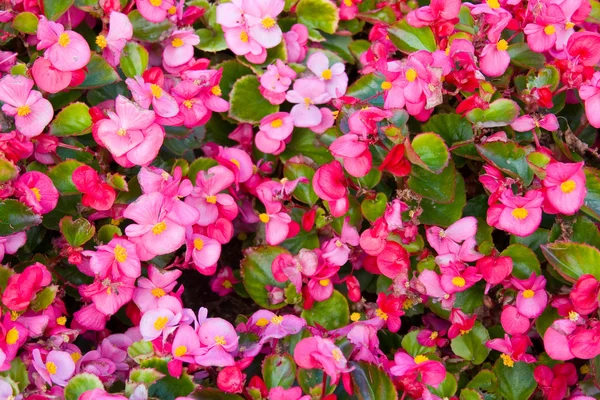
<point x="231" y="380"/>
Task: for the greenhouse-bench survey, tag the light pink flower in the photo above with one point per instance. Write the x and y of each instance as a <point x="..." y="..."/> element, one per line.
<point x="207" y="197"/>
<point x="158" y="322"/>
<point x="275" y="129"/>
<point x="532" y="297"/>
<point x="154" y="291"/>
<point x="317" y="352"/>
<point x="146" y="94"/>
<point x="57" y="369"/>
<point x="432" y="372"/>
<point x="155" y="10"/>
<point x="66" y="50"/>
<point x="115" y="259"/>
<point x="564" y="187"/>
<point x="218" y="339"/>
<point x="494" y="59"/>
<point x="205" y="253"/>
<point x="261" y="17"/>
<point x="519" y="215"/>
<point x="120" y="31"/>
<point x="590" y="93"/>
<point x="180" y="47"/>
<point x="527" y="123"/>
<point x="295" y="42"/>
<point x="306" y="93"/>
<point x="31" y="111"/>
<point x="185" y="344"/>
<point x="334" y="77"/>
<point x="355" y="153"/>
<point x="10" y="244"/>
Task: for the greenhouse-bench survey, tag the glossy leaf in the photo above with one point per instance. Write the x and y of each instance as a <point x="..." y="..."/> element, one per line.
<point x="247" y="104"/>
<point x="256" y="274"/>
<point x="16" y="217"/>
<point x="332" y="313"/>
<point x="409" y="39"/>
<point x="72" y="120"/>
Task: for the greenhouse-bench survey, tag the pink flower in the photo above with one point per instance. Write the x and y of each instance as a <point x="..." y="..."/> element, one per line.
<point x="295" y="43"/>
<point x="564" y="186"/>
<point x="334" y="77"/>
<point x="180" y="47"/>
<point x="494" y="59"/>
<point x="130" y="134"/>
<point x="590" y="93"/>
<point x="154" y="10"/>
<point x="207" y="197"/>
<point x="37" y="191"/>
<point x="146" y="94"/>
<point x="527" y="123"/>
<point x="555" y="382"/>
<point x="261" y="17"/>
<point x="275" y="129"/>
<point x="66" y="50"/>
<point x="329" y="184"/>
<point x="238" y="161"/>
<point x="108" y="295"/>
<point x="222" y="283"/>
<point x="241" y="43"/>
<point x="541" y="35"/>
<point x="185" y="344"/>
<point x="48" y="78"/>
<point x="512" y="349"/>
<point x="519" y="215"/>
<point x="115" y="259"/>
<point x="57" y="369"/>
<point x="354" y="152"/>
<point x="431" y="286"/>
<point x="158" y="322"/>
<point x="494" y="269"/>
<point x="448" y="240"/>
<point x="154" y="292"/>
<point x="513" y="322"/>
<point x="285" y="267"/>
<point x="432" y="372"/>
<point x="393" y="260"/>
<point x="455" y="280"/>
<point x="277" y="226"/>
<point x="436" y="11"/>
<point x="218" y="340"/>
<point x="120" y="31"/>
<point x="277" y="78"/>
<point x="267" y="325"/>
<point x="585" y="294"/>
<point x="316" y="352"/>
<point x="280" y="393"/>
<point x="22" y="287"/>
<point x="155" y="225"/>
<point x="532" y="298"/>
<point x="556" y="339"/>
<point x="31" y="111"/>
<point x="205" y="253"/>
<point x="306" y="93"/>
<point x="10" y="244"/>
<point x="461" y="323"/>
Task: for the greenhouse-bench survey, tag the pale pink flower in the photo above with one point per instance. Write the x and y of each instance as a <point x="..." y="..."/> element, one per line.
<point x="66" y="50"/>
<point x="334" y="77"/>
<point x="120" y="31"/>
<point x="180" y="47"/>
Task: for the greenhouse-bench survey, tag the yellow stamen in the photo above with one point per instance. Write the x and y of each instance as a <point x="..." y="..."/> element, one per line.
<point x="569" y="25"/>
<point x="51" y="367"/>
<point x="116" y="222"/>
<point x="36" y="193"/>
<point x="528" y="293"/>
<point x="338" y="243"/>
<point x="507" y="360"/>
<point x="276" y="123"/>
<point x="64" y="39"/>
<point x="156" y="90"/>
<point x="379" y="312"/>
<point x="23" y="111"/>
<point x="61" y="320"/>
<point x="75" y="356"/>
<point x="216" y="90"/>
<point x="549" y="30"/>
<point x="122" y="132"/>
<point x="172" y="10"/>
<point x="160" y="323"/>
<point x="493" y="4"/>
<point x="220" y="340"/>
<point x="211" y="199"/>
<point x="408" y="303"/>
<point x="188" y="103"/>
<point x="421" y="359"/>
<point x="337" y="354"/>
<point x="180" y="351"/>
<point x="464" y="331"/>
<point x="236" y="162"/>
<point x="101" y="41"/>
<point x="120" y="253"/>
<point x="386" y="85"/>
<point x="262" y="322"/>
<point x="348" y="3"/>
<point x="177" y="42"/>
<point x="277" y="320"/>
<point x="268" y="23"/>
<point x="568" y="186"/>
<point x="159" y="228"/>
<point x="584" y="369"/>
<point x="573" y="316"/>
<point x="433" y="335"/>
<point x="502" y="45"/>
<point x="411" y="75"/>
<point x="198" y="244"/>
<point x="458" y="281"/>
<point x="12" y="336"/>
<point x="324" y="282"/>
<point x="156" y="3"/>
<point x="158" y="292"/>
<point x="355" y="317"/>
<point x="520" y="213"/>
<point x="244" y="37"/>
<point x="307" y="101"/>
<point x="327" y="74"/>
<point x="264" y="218"/>
<point x="226" y="284"/>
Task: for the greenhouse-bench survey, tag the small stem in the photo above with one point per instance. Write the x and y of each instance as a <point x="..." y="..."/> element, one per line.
<point x="581" y="127"/>
<point x="68" y="146"/>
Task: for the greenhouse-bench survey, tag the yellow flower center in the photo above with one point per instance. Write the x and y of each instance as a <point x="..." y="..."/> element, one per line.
<point x="211" y="199"/>
<point x="64" y="39"/>
<point x="23" y="111"/>
<point x="216" y="90"/>
<point x="244" y="37"/>
<point x="264" y="218"/>
<point x="158" y="292"/>
<point x="458" y="281"/>
<point x="326" y="74"/>
<point x="101" y="41"/>
<point x="262" y="322"/>
<point x="156" y="3"/>
<point x="381" y="314"/>
<point x="447" y="51"/>
<point x="573" y="316"/>
<point x="61" y="320"/>
<point x="75" y="356"/>
<point x="337" y="354"/>
<point x="277" y="320"/>
<point x="568" y="186"/>
<point x="335" y="113"/>
<point x="502" y="45"/>
<point x="227" y="284"/>
<point x="493" y="4"/>
<point x="584" y="369"/>
<point x="520" y="213"/>
<point x="433" y="335"/>
<point x="348" y="3"/>
<point x="198" y="244"/>
<point x="177" y="42"/>
<point x="14" y="315"/>
<point x="569" y="25"/>
<point x="528" y="293"/>
<point x="122" y="132"/>
<point x="120" y="253"/>
<point x="268" y="23"/>
<point x="307" y="101"/>
<point x="507" y="360"/>
<point x="411" y="75"/>
<point x="421" y="359"/>
<point x="115" y="222"/>
<point x="324" y="282"/>
<point x="12" y="336"/>
<point x="36" y="193"/>
<point x="156" y="90"/>
<point x="236" y="162"/>
<point x="464" y="331"/>
<point x="355" y="316"/>
<point x="51" y="367"/>
<point x="159" y="228"/>
<point x="408" y="303"/>
<point x="172" y="10"/>
<point x="180" y="351"/>
<point x="549" y="30"/>
<point x="188" y="103"/>
<point x="160" y="323"/>
<point x="387" y="85"/>
<point x="277" y="123"/>
<point x="220" y="340"/>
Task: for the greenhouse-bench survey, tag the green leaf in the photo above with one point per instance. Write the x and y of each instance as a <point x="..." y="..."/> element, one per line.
<point x="547" y="76"/>
<point x="331" y="314"/>
<point x="279" y="370"/>
<point x="44" y="298"/>
<point x="99" y="73"/>
<point x="257" y="274"/>
<point x="78" y="232"/>
<point x="147" y="376"/>
<point x="304" y="191"/>
<point x="246" y="102"/>
<point x="509" y="157"/>
<point x="8" y="170"/>
<point x="591" y="205"/>
<point x="571" y="260"/>
<point x="412" y="345"/>
<point x="211" y="41"/>
<point x="140" y="351"/>
<point x="134" y="60"/>
<point x="340" y="45"/>
<point x="470" y="299"/>
<point x="16" y="217"/>
<point x="522" y="56"/>
<point x="471" y="346"/>
<point x="145" y="30"/>
<point x="500" y="113"/>
<point x="18" y="373"/>
<point x="371" y="382"/>
<point x="409" y="39"/>
<point x="445" y="215"/>
<point x="366" y="87"/>
<point x="516" y="382"/>
<point x="436" y="187"/>
<point x="385" y="14"/>
<point x="374" y="208"/>
<point x="311" y="381"/>
<point x="428" y="151"/>
<point x="232" y="71"/>
<point x="53" y="9"/>
<point x="470" y="394"/>
<point x="200" y="164"/>
<point x="26" y="22"/>
<point x="453" y="129"/>
<point x="524" y="259"/>
<point x="544" y="321"/>
<point x="80" y="384"/>
<point x="168" y="388"/>
<point x="107" y="232"/>
<point x="214" y="394"/>
<point x="61" y="176"/>
<point x="305" y="142"/>
<point x="447" y="388"/>
<point x="318" y="14"/>
<point x="73" y="120"/>
<point x="485" y="380"/>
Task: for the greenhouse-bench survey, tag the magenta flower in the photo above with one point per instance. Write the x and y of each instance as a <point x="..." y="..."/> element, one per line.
<point x="155" y="10"/>
<point x="37" y="191"/>
<point x="317" y="352"/>
<point x="120" y="31"/>
<point x="354" y="152"/>
<point x="518" y="215"/>
<point x="31" y="111"/>
<point x="431" y="286"/>
<point x="285" y="267"/>
<point x="448" y="240"/>
<point x="12" y="243"/>
<point x="218" y="340"/>
<point x="275" y="129"/>
<point x="155" y="291"/>
<point x="431" y="14"/>
<point x="532" y="297"/>
<point x="590" y="93"/>
<point x="192" y="110"/>
<point x="513" y="322"/>
<point x="267" y="325"/>
<point x="541" y="35"/>
<point x="205" y="253"/>
<point x="222" y="283"/>
<point x="306" y="93"/>
<point x="185" y="344"/>
<point x="180" y="47"/>
<point x="277" y="225"/>
<point x="115" y="259"/>
<point x="108" y="295"/>
<point x="512" y="349"/>
<point x="527" y="123"/>
<point x="155" y="224"/>
<point x="432" y="372"/>
<point x="564" y="187"/>
<point x="66" y="50"/>
<point x="329" y="184"/>
<point x="57" y="369"/>
<point x="207" y="197"/>
<point x="238" y="161"/>
<point x="585" y="294"/>
<point x="494" y="58"/>
<point x="334" y="77"/>
<point x="147" y="94"/>
<point x="455" y="280"/>
<point x="494" y="269"/>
